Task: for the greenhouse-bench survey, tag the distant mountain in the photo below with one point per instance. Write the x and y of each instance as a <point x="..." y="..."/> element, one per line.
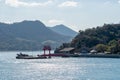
<point x="28" y="35"/>
<point x="64" y="30"/>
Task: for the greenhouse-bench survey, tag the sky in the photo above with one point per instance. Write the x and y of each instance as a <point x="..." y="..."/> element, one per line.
<point x="76" y="14"/>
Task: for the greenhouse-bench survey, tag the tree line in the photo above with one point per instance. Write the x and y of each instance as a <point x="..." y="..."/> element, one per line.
<point x="102" y="38"/>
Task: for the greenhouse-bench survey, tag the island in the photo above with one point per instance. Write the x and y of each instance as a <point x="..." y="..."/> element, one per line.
<point x="102" y="41"/>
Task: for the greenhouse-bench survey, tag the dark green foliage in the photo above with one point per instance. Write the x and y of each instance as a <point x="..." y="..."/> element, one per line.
<point x="114" y="46"/>
<point x="101" y="47"/>
<point x="103" y="38"/>
<point x="99" y="35"/>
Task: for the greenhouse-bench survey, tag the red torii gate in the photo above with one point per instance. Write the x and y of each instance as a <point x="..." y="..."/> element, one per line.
<point x="47" y="48"/>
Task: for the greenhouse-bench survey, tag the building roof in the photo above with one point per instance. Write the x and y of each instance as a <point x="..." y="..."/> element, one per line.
<point x="67" y="49"/>
<point x="93" y="51"/>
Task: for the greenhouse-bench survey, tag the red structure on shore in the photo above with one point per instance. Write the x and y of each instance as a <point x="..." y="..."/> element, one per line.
<point x="47" y="48"/>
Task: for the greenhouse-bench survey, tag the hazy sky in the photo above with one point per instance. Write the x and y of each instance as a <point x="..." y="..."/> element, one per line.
<point x="77" y="14"/>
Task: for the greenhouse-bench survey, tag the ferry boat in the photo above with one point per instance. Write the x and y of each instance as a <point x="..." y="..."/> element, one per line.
<point x="26" y="56"/>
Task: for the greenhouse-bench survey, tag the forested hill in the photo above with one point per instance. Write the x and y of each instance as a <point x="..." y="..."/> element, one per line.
<point x="64" y="30"/>
<point x="28" y="35"/>
<point x="106" y="36"/>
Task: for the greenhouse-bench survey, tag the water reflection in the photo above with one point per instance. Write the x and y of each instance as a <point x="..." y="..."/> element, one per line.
<point x="58" y="68"/>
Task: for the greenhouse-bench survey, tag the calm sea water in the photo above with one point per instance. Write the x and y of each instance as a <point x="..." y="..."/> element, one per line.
<point x="58" y="68"/>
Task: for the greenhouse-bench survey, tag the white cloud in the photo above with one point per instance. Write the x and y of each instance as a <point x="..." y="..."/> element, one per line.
<point x="118" y="1"/>
<point x="17" y="3"/>
<point x="55" y="21"/>
<point x="69" y="4"/>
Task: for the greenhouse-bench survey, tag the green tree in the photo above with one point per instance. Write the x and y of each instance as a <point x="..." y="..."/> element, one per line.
<point x="112" y="46"/>
<point x="112" y="43"/>
<point x="101" y="47"/>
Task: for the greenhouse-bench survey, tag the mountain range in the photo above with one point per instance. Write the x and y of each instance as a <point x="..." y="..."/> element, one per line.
<point x="64" y="30"/>
<point x="29" y="35"/>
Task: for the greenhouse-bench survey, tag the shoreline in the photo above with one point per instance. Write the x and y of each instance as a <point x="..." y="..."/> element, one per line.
<point x="94" y="55"/>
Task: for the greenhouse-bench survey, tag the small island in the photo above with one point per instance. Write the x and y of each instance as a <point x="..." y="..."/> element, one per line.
<point x="102" y="41"/>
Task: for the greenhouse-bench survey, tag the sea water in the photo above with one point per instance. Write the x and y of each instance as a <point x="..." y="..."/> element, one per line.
<point x="57" y="68"/>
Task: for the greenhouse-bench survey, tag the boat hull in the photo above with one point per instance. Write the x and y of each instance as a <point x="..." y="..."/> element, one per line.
<point x="30" y="57"/>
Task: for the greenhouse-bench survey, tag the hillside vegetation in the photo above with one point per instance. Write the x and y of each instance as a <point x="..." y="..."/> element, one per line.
<point x="105" y="38"/>
<point x="64" y="30"/>
<point x="28" y="35"/>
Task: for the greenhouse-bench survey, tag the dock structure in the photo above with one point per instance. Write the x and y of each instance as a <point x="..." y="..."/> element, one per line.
<point x="69" y="52"/>
<point x="83" y="56"/>
<point x="66" y="52"/>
